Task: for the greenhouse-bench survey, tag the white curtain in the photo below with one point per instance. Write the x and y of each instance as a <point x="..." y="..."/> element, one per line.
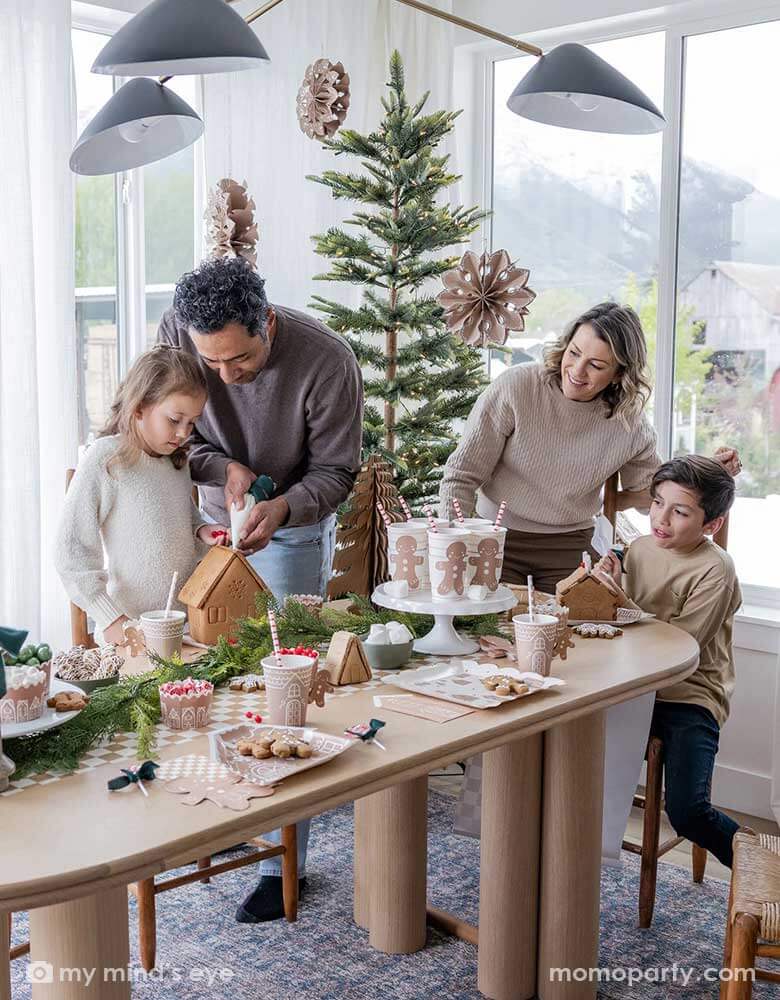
<point x="38" y="386"/>
<point x="252" y="130"/>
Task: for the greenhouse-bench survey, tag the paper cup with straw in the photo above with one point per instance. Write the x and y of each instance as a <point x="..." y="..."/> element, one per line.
<point x="486" y="553"/>
<point x="407" y="551"/>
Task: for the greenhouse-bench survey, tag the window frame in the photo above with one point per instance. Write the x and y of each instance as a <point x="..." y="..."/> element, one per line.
<point x="474" y="85"/>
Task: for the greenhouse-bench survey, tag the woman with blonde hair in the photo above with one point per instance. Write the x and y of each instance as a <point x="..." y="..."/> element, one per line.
<point x="546" y="437"/>
<point x="128" y="521"/>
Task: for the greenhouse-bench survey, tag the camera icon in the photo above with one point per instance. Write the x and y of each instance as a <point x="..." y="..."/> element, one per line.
<point x="40" y="972"/>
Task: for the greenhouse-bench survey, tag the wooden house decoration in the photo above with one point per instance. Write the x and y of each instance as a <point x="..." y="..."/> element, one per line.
<point x="590" y="596"/>
<point x="346" y="661"/>
<point x="221" y="590"/>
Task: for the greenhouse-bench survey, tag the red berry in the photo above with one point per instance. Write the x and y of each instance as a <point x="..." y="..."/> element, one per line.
<point x="232" y="642"/>
<point x="258" y="718"/>
<point x="299" y="650"/>
<point x="248" y="715"/>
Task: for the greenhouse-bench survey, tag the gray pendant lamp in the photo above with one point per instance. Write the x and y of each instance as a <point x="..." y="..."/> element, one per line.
<point x="143" y="122"/>
<point x="572" y="87"/>
<point x="181" y="37"/>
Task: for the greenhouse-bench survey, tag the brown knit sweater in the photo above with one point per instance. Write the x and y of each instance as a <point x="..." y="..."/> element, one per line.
<point x="546" y="455"/>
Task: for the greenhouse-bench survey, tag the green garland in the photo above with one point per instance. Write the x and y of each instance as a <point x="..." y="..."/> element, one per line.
<point x="133" y="703"/>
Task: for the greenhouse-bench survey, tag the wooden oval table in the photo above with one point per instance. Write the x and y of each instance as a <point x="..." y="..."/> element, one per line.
<point x="69" y="849"/>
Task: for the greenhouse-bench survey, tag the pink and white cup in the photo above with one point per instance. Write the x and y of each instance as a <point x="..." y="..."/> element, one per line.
<point x="163" y="632"/>
<point x="536" y="642"/>
<point x="448" y="563"/>
<point x="486" y="556"/>
<point x="290" y="687"/>
<point x="407" y="552"/>
<point x="186" y="704"/>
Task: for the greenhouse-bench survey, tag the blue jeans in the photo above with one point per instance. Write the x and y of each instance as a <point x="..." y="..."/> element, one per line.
<point x="296" y="561"/>
<point x="690" y="736"/>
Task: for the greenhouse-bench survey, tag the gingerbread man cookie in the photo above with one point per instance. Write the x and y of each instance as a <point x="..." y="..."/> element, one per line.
<point x="591" y="630"/>
<point x="68" y="701"/>
<point x="406" y="561"/>
<point x="488" y="564"/>
<point x="454" y="569"/>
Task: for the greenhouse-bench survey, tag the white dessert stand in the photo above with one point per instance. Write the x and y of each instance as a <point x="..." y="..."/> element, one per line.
<point x="443" y="640"/>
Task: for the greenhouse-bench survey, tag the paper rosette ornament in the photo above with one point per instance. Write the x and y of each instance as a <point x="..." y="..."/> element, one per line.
<point x="485" y="298"/>
<point x="231" y="230"/>
<point x="323" y="99"/>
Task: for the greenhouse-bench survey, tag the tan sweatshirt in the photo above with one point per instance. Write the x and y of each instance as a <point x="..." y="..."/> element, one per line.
<point x="546" y="455"/>
<point x="698" y="592"/>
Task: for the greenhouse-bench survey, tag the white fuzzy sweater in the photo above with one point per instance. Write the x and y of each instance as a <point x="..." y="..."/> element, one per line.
<point x="124" y="532"/>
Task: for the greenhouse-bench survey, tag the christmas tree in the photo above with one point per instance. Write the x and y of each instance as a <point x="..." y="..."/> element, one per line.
<point x="360" y="563"/>
<point x="418" y="378"/>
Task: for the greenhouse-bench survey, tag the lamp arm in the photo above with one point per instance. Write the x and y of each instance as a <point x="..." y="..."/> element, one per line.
<point x="434" y="12"/>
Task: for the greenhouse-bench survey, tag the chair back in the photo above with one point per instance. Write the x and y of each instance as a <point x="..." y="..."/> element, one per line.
<point x="617" y="500"/>
<point x="79" y="627"/>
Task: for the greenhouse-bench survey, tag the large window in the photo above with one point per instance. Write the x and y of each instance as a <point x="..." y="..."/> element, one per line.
<point x="588" y="215"/>
<point x="135" y="235"/>
<point x="727" y="381"/>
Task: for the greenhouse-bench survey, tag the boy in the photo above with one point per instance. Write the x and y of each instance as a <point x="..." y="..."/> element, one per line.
<point x="687" y="580"/>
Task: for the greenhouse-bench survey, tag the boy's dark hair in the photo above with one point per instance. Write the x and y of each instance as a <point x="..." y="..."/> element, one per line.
<point x="707" y="477"/>
<point x="222" y="291"/>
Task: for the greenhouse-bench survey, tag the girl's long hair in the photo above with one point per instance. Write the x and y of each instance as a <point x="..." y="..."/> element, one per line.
<point x="156" y="374"/>
<point x="620" y="328"/>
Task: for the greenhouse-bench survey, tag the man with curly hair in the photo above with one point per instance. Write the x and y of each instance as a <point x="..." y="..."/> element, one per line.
<point x="285" y="401"/>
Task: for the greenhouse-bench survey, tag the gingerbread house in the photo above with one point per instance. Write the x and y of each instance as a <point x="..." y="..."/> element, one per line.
<point x="590" y="596"/>
<point x="222" y="589"/>
<point x="346" y="661"/>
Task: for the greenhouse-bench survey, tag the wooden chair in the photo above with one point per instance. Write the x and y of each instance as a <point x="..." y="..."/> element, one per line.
<point x="649" y="851"/>
<point x="147" y="890"/>
<point x="753" y="917"/>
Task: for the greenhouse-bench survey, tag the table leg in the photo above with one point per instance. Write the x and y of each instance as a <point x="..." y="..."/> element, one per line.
<point x="77" y="941"/>
<point x="509" y="869"/>
<point x="392" y="870"/>
<point x="572" y="806"/>
<point x="365" y="822"/>
<point x="5" y="961"/>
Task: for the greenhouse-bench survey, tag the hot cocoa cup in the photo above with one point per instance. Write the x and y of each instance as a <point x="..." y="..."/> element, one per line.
<point x="407" y="552"/>
<point x="163" y="632"/>
<point x="486" y="556"/>
<point x="448" y="563"/>
<point x="288" y="687"/>
<point x="535" y="642"/>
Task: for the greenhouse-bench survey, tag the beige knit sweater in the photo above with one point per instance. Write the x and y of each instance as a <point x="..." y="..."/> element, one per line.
<point x="124" y="532"/>
<point x="546" y="455"/>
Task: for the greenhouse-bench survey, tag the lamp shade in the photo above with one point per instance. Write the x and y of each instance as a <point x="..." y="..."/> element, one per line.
<point x="181" y="37"/>
<point x="143" y="122"/>
<point x="572" y="87"/>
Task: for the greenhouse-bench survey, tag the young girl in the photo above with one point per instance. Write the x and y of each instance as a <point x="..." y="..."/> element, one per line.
<point x="128" y="521"/>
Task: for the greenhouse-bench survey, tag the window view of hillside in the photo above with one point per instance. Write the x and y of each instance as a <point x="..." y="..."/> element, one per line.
<point x="581" y="210"/>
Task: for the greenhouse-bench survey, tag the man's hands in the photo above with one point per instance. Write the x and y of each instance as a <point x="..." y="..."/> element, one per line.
<point x="609" y="565"/>
<point x="729" y="459"/>
<point x="237" y="483"/>
<point x="263" y="520"/>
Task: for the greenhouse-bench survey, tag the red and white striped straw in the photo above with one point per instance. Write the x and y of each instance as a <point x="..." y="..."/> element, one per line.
<point x="431" y="518"/>
<point x="406" y="509"/>
<point x="500" y="514"/>
<point x="383" y="512"/>
<point x="274" y="635"/>
<point x="458" y="511"/>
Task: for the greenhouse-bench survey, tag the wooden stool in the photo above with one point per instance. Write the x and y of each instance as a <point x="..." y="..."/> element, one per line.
<point x="650" y="850"/>
<point x="753" y="914"/>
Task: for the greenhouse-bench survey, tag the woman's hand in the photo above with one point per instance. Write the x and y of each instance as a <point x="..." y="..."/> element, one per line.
<point x="213" y="534"/>
<point x="609" y="565"/>
<point x="239" y="479"/>
<point x="729" y="459"/>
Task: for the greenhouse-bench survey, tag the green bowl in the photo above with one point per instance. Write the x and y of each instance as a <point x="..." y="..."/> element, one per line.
<point x="387" y="657"/>
<point x="89" y="686"/>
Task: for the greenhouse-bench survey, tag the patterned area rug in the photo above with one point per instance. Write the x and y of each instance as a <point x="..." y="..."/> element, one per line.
<point x="202" y="953"/>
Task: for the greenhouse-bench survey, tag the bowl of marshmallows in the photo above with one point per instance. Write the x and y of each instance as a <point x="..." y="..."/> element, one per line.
<point x="389" y="646"/>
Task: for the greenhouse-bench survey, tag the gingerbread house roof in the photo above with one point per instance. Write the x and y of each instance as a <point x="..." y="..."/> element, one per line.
<point x="210" y="570"/>
<point x="580" y="575"/>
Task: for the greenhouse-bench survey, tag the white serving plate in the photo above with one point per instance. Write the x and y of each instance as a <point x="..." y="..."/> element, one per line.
<point x="460" y="681"/>
<point x="272" y="770"/>
<point x="48" y="720"/>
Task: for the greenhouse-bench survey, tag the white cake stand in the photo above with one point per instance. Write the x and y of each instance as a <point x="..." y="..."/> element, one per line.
<point x="443" y="640"/>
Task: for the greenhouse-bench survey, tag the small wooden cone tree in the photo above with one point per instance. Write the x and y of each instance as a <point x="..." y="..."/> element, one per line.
<point x="360" y="563"/>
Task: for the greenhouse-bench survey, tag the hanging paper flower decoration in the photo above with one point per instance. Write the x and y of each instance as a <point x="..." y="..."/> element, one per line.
<point x="323" y="99"/>
<point x="231" y="230"/>
<point x="485" y="298"/>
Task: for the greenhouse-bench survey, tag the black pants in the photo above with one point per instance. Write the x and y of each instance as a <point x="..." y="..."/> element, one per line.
<point x="690" y="736"/>
<point x="548" y="558"/>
